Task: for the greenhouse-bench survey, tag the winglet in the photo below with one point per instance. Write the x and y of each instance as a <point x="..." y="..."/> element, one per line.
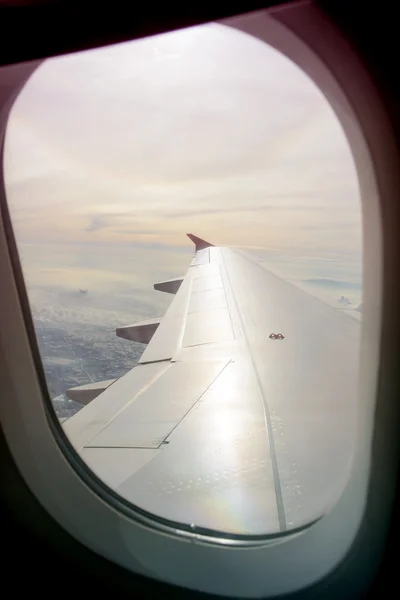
<point x="198" y="242"/>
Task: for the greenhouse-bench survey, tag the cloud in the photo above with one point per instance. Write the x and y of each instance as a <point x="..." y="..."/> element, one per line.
<point x="344" y="300"/>
<point x="112" y="155"/>
<point x="229" y="136"/>
<point x="97" y="222"/>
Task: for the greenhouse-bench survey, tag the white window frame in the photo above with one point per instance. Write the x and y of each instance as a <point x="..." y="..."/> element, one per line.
<point x="80" y="504"/>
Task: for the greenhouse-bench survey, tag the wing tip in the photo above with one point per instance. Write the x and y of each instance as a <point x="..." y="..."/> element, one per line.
<point x="199" y="243"/>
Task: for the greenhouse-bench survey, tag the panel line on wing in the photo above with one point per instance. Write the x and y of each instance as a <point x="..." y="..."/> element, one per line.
<point x="154" y="362"/>
<point x="217" y="261"/>
<point x="274" y="462"/>
<point x="213" y="325"/>
<point x="148" y="421"/>
<point x="126" y="447"/>
<point x="201" y="257"/>
<point x="181" y="336"/>
<point x="145" y="387"/>
<point x="200" y="344"/>
<point x="198" y="399"/>
<point x="207" y="300"/>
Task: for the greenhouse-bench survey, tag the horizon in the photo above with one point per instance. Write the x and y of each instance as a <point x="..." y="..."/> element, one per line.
<point x="180" y="137"/>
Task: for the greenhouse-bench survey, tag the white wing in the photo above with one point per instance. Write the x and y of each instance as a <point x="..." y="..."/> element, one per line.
<point x="239" y="416"/>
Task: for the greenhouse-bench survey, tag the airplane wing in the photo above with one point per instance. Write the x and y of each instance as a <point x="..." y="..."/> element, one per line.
<point x="240" y="416"/>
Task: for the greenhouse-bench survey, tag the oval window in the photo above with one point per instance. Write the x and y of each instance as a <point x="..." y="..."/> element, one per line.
<point x="209" y="380"/>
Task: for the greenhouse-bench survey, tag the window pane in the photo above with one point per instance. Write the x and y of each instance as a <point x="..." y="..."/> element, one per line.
<point x="231" y="406"/>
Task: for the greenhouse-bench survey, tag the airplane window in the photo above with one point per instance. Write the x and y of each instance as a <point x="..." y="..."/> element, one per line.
<point x="211" y="379"/>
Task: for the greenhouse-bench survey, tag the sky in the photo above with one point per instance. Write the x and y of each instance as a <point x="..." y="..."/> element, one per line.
<point x="113" y="154"/>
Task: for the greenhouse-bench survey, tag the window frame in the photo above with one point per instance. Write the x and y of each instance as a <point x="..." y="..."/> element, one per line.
<point x="38" y="444"/>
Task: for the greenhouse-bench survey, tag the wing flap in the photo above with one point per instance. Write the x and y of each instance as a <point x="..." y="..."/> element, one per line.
<point x="147" y="422"/>
<point x="89" y="421"/>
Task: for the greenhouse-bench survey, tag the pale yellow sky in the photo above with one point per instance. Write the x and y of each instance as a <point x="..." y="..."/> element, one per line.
<point x="206" y="130"/>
